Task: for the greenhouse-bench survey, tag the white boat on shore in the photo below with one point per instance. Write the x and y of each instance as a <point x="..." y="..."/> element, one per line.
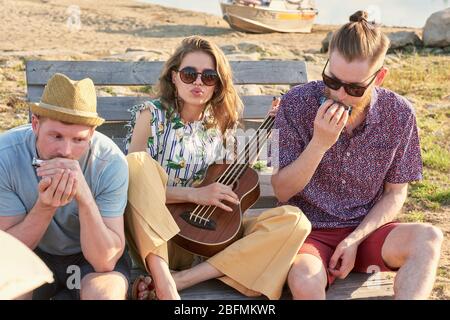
<point x="259" y="16"/>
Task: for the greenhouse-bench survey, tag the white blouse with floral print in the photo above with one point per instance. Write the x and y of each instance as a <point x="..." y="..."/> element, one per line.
<point x="183" y="150"/>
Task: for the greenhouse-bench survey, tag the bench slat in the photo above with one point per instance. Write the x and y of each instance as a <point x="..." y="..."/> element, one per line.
<point x="147" y="72"/>
<point x="217" y="290"/>
<point x="116" y="108"/>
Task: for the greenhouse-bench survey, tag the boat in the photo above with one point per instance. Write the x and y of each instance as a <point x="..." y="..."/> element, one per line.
<point x="265" y="16"/>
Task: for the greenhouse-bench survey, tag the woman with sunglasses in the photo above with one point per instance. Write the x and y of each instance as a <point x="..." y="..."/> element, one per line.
<point x="349" y="173"/>
<point x="171" y="142"/>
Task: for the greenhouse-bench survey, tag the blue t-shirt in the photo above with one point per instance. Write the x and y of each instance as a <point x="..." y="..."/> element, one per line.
<point x="104" y="167"/>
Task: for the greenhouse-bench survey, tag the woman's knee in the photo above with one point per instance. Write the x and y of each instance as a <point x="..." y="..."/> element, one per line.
<point x="142" y="166"/>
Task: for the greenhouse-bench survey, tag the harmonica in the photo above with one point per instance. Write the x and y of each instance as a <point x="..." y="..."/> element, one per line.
<point x="349" y="108"/>
<point x="36" y="162"/>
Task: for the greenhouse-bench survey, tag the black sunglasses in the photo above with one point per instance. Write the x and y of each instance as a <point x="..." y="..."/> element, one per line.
<point x="352" y="89"/>
<point x="189" y="75"/>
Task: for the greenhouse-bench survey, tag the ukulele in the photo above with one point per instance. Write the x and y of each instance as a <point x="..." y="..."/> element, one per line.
<point x="206" y="229"/>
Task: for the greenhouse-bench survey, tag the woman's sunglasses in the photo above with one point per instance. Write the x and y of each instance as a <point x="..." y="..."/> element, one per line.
<point x="189" y="75"/>
<point x="353" y="90"/>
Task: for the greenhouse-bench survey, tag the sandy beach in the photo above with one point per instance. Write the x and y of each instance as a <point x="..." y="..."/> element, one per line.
<point x="132" y="31"/>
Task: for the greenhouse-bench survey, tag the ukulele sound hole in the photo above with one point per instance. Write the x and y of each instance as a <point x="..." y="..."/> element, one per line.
<point x="198" y="222"/>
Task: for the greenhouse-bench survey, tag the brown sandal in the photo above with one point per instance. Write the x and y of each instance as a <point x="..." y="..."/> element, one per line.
<point x="150" y="286"/>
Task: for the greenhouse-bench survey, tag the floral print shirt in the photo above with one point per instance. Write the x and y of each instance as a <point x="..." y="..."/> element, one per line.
<point x="184" y="150"/>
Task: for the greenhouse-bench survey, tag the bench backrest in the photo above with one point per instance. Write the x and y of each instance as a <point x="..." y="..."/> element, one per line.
<point x="109" y="73"/>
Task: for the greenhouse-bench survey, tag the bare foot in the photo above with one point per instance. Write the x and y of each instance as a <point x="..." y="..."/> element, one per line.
<point x="151" y="290"/>
<point x="146" y="289"/>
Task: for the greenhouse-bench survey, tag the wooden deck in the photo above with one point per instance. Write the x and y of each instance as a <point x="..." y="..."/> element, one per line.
<point x="360" y="286"/>
<point x="356" y="286"/>
<point x="375" y="286"/>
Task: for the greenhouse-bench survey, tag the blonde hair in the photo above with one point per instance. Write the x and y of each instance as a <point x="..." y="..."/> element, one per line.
<point x="226" y="104"/>
<point x="360" y="39"/>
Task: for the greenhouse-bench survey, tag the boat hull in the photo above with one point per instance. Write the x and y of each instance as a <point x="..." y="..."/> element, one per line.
<point x="265" y="20"/>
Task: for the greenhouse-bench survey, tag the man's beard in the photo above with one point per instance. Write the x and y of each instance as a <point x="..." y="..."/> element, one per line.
<point x="357" y="109"/>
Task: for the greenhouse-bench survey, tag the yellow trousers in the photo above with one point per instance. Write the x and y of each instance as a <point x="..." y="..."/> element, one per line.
<point x="256" y="264"/>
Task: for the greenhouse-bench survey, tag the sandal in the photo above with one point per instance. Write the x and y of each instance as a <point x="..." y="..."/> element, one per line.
<point x="151" y="288"/>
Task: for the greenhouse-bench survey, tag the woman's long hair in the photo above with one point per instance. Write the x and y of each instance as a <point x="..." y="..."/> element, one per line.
<point x="226" y="106"/>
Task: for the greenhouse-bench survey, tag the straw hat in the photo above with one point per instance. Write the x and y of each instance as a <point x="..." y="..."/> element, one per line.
<point x="69" y="101"/>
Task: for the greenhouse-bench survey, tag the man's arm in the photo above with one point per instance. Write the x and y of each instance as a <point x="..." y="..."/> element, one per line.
<point x="102" y="239"/>
<point x="293" y="178"/>
<point x="30" y="228"/>
<point x="384" y="211"/>
<point x="328" y="124"/>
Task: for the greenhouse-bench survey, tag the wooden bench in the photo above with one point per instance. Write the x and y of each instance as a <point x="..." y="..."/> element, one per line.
<point x="114" y="110"/>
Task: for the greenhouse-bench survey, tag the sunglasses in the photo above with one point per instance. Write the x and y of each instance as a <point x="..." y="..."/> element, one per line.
<point x="209" y="77"/>
<point x="352" y="89"/>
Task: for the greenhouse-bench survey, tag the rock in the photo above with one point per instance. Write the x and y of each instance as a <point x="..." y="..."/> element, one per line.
<point x="10" y="77"/>
<point x="121" y="91"/>
<point x="240" y="56"/>
<point x="313" y="51"/>
<point x="102" y="93"/>
<point x="298" y="52"/>
<point x="427" y="50"/>
<point x="402" y="39"/>
<point x="250" y="47"/>
<point x="310" y="57"/>
<point x="437" y="51"/>
<point x="229" y="48"/>
<point x="326" y="42"/>
<point x="409" y="48"/>
<point x="436" y="31"/>
<point x="143" y="50"/>
<point x="135" y="56"/>
<point x="249" y="90"/>
<point x="275" y="90"/>
<point x="135" y="49"/>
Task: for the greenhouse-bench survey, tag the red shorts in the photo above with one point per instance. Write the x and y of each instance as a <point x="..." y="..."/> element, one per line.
<point x="321" y="243"/>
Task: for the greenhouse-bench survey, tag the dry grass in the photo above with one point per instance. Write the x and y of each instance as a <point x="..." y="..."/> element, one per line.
<point x="425" y="80"/>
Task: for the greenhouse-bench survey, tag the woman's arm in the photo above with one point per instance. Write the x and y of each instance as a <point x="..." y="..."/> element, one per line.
<point x="211" y="195"/>
<point x="141" y="132"/>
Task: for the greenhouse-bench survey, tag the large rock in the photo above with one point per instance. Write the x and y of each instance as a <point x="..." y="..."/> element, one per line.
<point x="436" y="32"/>
<point x="250" y="47"/>
<point x="241" y="56"/>
<point x="229" y="48"/>
<point x="326" y="42"/>
<point x="401" y="39"/>
<point x="249" y="90"/>
<point x="136" y="56"/>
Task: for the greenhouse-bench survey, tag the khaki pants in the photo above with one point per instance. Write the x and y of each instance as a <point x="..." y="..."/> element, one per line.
<point x="256" y="264"/>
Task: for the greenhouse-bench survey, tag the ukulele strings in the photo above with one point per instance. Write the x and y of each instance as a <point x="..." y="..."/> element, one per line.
<point x="228" y="173"/>
<point x="241" y="168"/>
<point x="231" y="171"/>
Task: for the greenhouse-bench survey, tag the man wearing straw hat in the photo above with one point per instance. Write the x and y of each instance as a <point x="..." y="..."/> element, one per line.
<point x="63" y="191"/>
